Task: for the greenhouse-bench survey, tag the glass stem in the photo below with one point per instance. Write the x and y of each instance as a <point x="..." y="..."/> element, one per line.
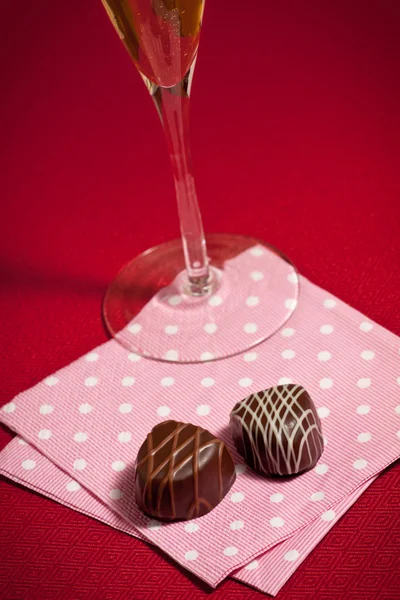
<point x="173" y="105"/>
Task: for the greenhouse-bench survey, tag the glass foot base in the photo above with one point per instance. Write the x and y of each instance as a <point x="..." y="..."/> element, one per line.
<point x="254" y="291"/>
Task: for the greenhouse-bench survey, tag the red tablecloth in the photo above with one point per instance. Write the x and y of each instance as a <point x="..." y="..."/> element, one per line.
<point x="295" y="140"/>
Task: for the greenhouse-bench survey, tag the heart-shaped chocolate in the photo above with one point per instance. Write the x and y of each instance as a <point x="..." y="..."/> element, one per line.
<point x="182" y="472"/>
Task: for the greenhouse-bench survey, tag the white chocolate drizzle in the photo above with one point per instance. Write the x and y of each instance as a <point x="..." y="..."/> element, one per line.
<point x="277" y="419"/>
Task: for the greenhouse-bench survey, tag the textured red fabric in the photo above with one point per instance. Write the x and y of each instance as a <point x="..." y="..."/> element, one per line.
<point x="295" y="140"/>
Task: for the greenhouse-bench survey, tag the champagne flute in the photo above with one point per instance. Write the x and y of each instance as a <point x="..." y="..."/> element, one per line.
<point x="193" y="281"/>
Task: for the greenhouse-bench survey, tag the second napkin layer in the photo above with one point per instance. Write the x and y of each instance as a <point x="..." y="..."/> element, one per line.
<point x="91" y="417"/>
<point x="268" y="573"/>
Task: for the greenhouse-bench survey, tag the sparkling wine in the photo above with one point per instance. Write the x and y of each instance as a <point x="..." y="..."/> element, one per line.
<point x="161" y="36"/>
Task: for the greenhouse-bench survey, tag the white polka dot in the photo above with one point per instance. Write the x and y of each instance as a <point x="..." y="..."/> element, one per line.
<point x="207" y="382"/>
<point x="325" y="383"/>
<point x="329" y="303"/>
<point x="317" y="496"/>
<point x="28" y="465"/>
<point x="163" y="411"/>
<point x="250" y="356"/>
<point x="365" y="326"/>
<point x="203" y="410"/>
<point x="191" y="527"/>
<point x="256" y="251"/>
<point x="290" y="303"/>
<point x="250" y="328"/>
<point x="235" y="525"/>
<point x="91" y="381"/>
<point x="291" y="555"/>
<point x="9" y="408"/>
<point x="134" y="357"/>
<point x="324" y="356"/>
<point x="80" y="436"/>
<point x="252" y="301"/>
<point x="363" y="409"/>
<point x="124" y="408"/>
<point x="288" y="332"/>
<point x="231" y="551"/>
<point x="245" y="382"/>
<point x="323" y="412"/>
<point x="321" y="469"/>
<point x="256" y="275"/>
<point x="398" y="434"/>
<point x="364" y="437"/>
<point x="326" y="329"/>
<point x="325" y="440"/>
<point x="171" y="329"/>
<point x="191" y="555"/>
<point x="118" y="465"/>
<point x="44" y="434"/>
<point x="292" y="277"/>
<point x="284" y="381"/>
<point x="22" y="442"/>
<point x="237" y="497"/>
<point x="288" y="354"/>
<point x="252" y="565"/>
<point x="276" y="498"/>
<point x="215" y="301"/>
<point x="367" y="355"/>
<point x="329" y="515"/>
<point x="398" y="380"/>
<point x="167" y="381"/>
<point x="72" y="486"/>
<point x="92" y="357"/>
<point x="135" y="328"/>
<point x="363" y="382"/>
<point x="85" y="409"/>
<point x="153" y="525"/>
<point x="206" y="356"/>
<point x="210" y="328"/>
<point x="397" y="410"/>
<point x="80" y="464"/>
<point x="46" y="409"/>
<point x="116" y="494"/>
<point x="50" y="381"/>
<point x="240" y="469"/>
<point x="174" y="300"/>
<point x="277" y="522"/>
<point x="124" y="437"/>
<point x="361" y="463"/>
<point x="171" y="355"/>
<point x="127" y="381"/>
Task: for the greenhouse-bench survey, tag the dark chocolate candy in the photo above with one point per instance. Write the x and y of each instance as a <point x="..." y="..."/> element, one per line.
<point x="182" y="472"/>
<point x="278" y="430"/>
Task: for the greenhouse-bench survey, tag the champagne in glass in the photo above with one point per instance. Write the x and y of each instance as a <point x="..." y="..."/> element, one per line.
<point x="162" y="38"/>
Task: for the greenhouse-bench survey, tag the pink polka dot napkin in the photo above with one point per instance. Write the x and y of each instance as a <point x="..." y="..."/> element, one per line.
<point x="90" y="418"/>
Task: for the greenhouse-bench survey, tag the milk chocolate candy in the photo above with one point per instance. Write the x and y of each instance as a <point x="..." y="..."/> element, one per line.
<point x="278" y="430"/>
<point x="182" y="472"/>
